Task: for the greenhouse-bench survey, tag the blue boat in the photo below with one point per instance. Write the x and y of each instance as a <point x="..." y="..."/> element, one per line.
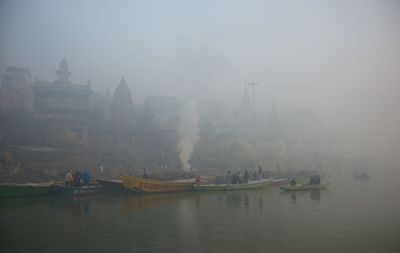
<point x="60" y="190"/>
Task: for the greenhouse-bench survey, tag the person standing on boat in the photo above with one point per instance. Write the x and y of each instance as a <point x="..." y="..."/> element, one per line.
<point x="311" y="180"/>
<point x="78" y="179"/>
<point x="246" y="176"/>
<point x="293" y="181"/>
<point x="317" y="179"/>
<point x="69" y="178"/>
<point x="228" y="178"/>
<point x="86" y="178"/>
<point x="239" y="177"/>
<point x="235" y="179"/>
<point x="259" y="172"/>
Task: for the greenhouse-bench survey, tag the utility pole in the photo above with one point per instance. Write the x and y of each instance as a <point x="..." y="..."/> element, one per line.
<point x="253" y="84"/>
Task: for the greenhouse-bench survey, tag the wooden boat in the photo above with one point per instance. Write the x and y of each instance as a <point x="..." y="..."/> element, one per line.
<point x="279" y="181"/>
<point x="24" y="190"/>
<point x="152" y="185"/>
<point x="304" y="187"/>
<point x="61" y="190"/>
<point x="113" y="185"/>
<point x="229" y="187"/>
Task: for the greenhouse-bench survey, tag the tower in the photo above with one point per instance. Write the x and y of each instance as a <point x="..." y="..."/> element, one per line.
<point x="274" y="128"/>
<point x="63" y="72"/>
<point x="122" y="108"/>
<point x="245" y="114"/>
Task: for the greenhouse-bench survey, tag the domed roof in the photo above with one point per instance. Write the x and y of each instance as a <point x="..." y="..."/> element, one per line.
<point x="122" y="94"/>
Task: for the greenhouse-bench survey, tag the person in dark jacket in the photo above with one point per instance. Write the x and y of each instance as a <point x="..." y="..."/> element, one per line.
<point x="317" y="179"/>
<point x="78" y="179"/>
<point x="86" y="178"/>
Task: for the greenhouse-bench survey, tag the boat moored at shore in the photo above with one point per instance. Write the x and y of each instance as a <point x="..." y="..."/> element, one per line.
<point x="279" y="182"/>
<point x="113" y="185"/>
<point x="63" y="191"/>
<point x="24" y="190"/>
<point x="138" y="184"/>
<point x="229" y="187"/>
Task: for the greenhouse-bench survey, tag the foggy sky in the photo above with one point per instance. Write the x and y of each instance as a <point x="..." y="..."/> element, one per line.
<point x="340" y="59"/>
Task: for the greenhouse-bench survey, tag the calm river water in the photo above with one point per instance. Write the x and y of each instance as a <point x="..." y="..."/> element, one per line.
<point x="352" y="216"/>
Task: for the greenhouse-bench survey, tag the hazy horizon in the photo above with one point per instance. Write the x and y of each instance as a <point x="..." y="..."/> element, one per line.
<point x="339" y="59"/>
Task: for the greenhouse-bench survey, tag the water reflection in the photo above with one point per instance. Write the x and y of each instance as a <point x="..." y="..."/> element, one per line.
<point x="294" y="196"/>
<point x="141" y="202"/>
<point x="315" y="196"/>
<point x="237" y="199"/>
<point x="242" y="221"/>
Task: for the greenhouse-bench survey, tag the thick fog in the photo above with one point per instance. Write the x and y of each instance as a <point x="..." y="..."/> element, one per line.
<point x="339" y="59"/>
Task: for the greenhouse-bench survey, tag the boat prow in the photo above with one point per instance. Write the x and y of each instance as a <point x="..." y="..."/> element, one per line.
<point x="112" y="185"/>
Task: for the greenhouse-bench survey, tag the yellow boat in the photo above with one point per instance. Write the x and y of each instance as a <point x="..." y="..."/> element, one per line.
<point x="152" y="185"/>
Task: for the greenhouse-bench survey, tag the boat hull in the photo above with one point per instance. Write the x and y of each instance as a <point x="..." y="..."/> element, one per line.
<point x="304" y="187"/>
<point x="279" y="182"/>
<point x="112" y="185"/>
<point x="138" y="184"/>
<point x="232" y="187"/>
<point x="61" y="191"/>
<point x="24" y="190"/>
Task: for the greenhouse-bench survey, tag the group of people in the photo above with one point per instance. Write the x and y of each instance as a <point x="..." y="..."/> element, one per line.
<point x="77" y="179"/>
<point x="314" y="180"/>
<point x="238" y="178"/>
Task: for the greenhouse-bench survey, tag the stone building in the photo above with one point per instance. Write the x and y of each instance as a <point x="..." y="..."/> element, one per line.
<point x="61" y="111"/>
<point x="16" y="104"/>
<point x="16" y="89"/>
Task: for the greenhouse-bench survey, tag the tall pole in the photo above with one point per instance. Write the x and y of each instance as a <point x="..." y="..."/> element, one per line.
<point x="253" y="84"/>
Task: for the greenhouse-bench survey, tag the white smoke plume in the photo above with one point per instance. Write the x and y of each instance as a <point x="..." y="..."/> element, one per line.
<point x="189" y="133"/>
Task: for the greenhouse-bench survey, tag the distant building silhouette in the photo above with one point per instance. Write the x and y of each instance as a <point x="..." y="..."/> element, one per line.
<point x="63" y="73"/>
<point x="122" y="109"/>
<point x="164" y="111"/>
<point x="246" y="115"/>
<point x="16" y="90"/>
<point x="274" y="127"/>
<point x="62" y="110"/>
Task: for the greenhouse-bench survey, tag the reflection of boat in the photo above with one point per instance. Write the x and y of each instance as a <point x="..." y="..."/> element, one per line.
<point x="225" y="187"/>
<point x="279" y="181"/>
<point x="60" y="190"/>
<point x="363" y="175"/>
<point x="140" y="202"/>
<point x="152" y="185"/>
<point x="24" y="190"/>
<point x="113" y="185"/>
<point x="303" y="187"/>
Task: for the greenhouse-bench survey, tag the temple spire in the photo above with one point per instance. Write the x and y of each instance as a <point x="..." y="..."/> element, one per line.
<point x="274" y="125"/>
<point x="122" y="80"/>
<point x="63" y="72"/>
